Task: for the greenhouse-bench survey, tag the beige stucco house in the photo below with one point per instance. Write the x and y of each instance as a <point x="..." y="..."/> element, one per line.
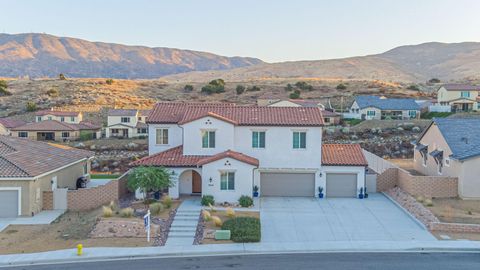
<point x="53" y="130"/>
<point x="450" y="147"/>
<point x="28" y="168"/>
<point x="460" y="97"/>
<point x="60" y="116"/>
<point x="126" y="123"/>
<point x="6" y="124"/>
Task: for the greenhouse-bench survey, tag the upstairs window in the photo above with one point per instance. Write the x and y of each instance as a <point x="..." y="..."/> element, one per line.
<point x="62" y="119"/>
<point x="412" y="114"/>
<point x="227" y="181"/>
<point x="162" y="136"/>
<point x="72" y="119"/>
<point x="258" y="139"/>
<point x="208" y="139"/>
<point x="125" y="120"/>
<point x="465" y="94"/>
<point x="299" y="140"/>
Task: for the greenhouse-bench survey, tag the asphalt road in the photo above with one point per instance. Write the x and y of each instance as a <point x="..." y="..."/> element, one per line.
<point x="336" y="261"/>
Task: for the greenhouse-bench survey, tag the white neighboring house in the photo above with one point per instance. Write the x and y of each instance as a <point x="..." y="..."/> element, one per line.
<point x="374" y="107"/>
<point x="226" y="150"/>
<point x="60" y="116"/>
<point x="126" y="123"/>
<point x="459" y="97"/>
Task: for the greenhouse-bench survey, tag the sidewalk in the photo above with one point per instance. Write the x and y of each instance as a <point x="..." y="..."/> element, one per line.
<point x="69" y="255"/>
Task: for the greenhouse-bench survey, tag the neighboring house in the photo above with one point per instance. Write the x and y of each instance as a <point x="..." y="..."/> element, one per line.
<point x="226" y="150"/>
<point x="28" y="168"/>
<point x="450" y="147"/>
<point x="329" y="117"/>
<point x="52" y="130"/>
<point x="60" y="116"/>
<point x="374" y="107"/>
<point x="125" y="123"/>
<point x="6" y="124"/>
<point x="461" y="97"/>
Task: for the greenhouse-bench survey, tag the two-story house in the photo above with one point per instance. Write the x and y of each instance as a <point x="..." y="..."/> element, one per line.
<point x="461" y="97"/>
<point x="226" y="150"/>
<point x="450" y="147"/>
<point x="60" y="116"/>
<point x="126" y="123"/>
<point x="376" y="107"/>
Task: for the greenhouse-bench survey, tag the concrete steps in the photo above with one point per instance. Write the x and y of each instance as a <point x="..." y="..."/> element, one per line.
<point x="184" y="225"/>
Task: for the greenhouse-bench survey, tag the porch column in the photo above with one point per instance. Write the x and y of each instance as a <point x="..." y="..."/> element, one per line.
<point x="174" y="191"/>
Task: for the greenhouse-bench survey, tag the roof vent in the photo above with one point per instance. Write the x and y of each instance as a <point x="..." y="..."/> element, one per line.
<point x="465" y="140"/>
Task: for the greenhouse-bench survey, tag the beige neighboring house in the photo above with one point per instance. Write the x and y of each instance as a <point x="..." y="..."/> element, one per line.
<point x="461" y="97"/>
<point x="383" y="108"/>
<point x="28" y="168"/>
<point x="329" y="117"/>
<point x="450" y="147"/>
<point x="52" y="130"/>
<point x="60" y="116"/>
<point x="127" y="123"/>
<point x="6" y="124"/>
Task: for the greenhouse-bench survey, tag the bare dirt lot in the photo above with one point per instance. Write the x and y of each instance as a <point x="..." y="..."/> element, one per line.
<point x="210" y="226"/>
<point x="456" y="210"/>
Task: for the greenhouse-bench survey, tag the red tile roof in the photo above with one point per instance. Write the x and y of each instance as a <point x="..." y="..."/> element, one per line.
<point x="182" y="113"/>
<point x="343" y="155"/>
<point x="11" y="123"/>
<point x="56" y="113"/>
<point x="229" y="154"/>
<point x="170" y="158"/>
<point x="53" y="125"/>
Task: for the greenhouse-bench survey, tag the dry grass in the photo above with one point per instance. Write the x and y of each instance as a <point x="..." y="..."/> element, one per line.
<point x="456" y="210"/>
<point x="224" y="217"/>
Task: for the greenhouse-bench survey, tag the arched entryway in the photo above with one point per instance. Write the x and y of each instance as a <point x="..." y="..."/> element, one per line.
<point x="190" y="182"/>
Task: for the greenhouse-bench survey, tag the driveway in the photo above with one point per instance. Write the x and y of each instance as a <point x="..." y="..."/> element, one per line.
<point x="44" y="217"/>
<point x="294" y="219"/>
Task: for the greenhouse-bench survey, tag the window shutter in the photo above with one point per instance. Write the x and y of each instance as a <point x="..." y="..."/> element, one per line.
<point x="303" y="140"/>
<point x="261" y="143"/>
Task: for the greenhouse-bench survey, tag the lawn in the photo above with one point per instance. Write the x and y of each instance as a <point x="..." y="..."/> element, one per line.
<point x="431" y="115"/>
<point x="210" y="226"/>
<point x="104" y="176"/>
<point x="352" y="122"/>
<point x="456" y="210"/>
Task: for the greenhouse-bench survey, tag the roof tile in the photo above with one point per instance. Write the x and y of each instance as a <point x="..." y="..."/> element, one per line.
<point x="343" y="155"/>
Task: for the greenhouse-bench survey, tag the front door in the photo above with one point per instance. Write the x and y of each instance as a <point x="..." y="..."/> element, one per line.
<point x="50" y="136"/>
<point x="196" y="182"/>
<point x="125" y="133"/>
<point x="465" y="107"/>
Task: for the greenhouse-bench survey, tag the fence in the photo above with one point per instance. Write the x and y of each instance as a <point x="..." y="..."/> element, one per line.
<point x="439" y="108"/>
<point x="351" y="116"/>
<point x="377" y="163"/>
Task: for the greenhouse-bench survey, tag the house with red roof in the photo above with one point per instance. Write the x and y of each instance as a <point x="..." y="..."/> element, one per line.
<point x="6" y="124"/>
<point x="228" y="151"/>
<point x="60" y="116"/>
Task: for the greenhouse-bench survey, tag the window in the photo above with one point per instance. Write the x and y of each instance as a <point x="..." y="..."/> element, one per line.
<point x="23" y="134"/>
<point x="162" y="136"/>
<point x="49" y="118"/>
<point x="412" y="114"/>
<point x="65" y="134"/>
<point x="327" y="119"/>
<point x="115" y="130"/>
<point x="39" y="119"/>
<point x="370" y="113"/>
<point x="258" y="139"/>
<point x="140" y="118"/>
<point x="72" y="119"/>
<point x="85" y="168"/>
<point x="62" y="119"/>
<point x="440" y="167"/>
<point x="227" y="181"/>
<point x="299" y="140"/>
<point x="465" y="94"/>
<point x="208" y="139"/>
<point x="125" y="120"/>
<point x="142" y="131"/>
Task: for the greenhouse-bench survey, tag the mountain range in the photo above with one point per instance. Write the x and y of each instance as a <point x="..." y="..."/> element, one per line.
<point x="43" y="55"/>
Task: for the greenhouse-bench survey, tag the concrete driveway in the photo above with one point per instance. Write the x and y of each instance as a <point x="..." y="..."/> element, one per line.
<point x="294" y="219"/>
<point x="44" y="217"/>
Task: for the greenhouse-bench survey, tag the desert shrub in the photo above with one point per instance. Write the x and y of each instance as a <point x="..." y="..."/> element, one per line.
<point x="428" y="202"/>
<point x="420" y="199"/>
<point x="243" y="229"/>
<point x="295" y="94"/>
<point x="240" y="89"/>
<point x="156" y="208"/>
<point x="31" y="106"/>
<point x="3" y="89"/>
<point x="167" y="201"/>
<point x="253" y="88"/>
<point x="208" y="200"/>
<point x="245" y="201"/>
<point x="188" y="88"/>
<point x="109" y="81"/>
<point x="113" y="206"/>
<point x="413" y="87"/>
<point x="434" y="80"/>
<point x="62" y="77"/>
<point x="127" y="212"/>
<point x="304" y="86"/>
<point x="217" y="221"/>
<point x="206" y="215"/>
<point x="53" y="92"/>
<point x="107" y="211"/>
<point x="212" y="208"/>
<point x="230" y="212"/>
<point x="341" y="87"/>
<point x="214" y="87"/>
<point x="289" y="88"/>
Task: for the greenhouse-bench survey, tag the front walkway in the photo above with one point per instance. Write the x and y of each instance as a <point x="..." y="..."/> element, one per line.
<point x="42" y="218"/>
<point x="308" y="220"/>
<point x="184" y="225"/>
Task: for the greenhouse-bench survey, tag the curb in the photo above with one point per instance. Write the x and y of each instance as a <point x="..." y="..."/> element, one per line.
<point x="406" y="212"/>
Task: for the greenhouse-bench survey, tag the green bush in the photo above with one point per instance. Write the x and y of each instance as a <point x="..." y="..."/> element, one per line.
<point x="243" y="229"/>
<point x="208" y="200"/>
<point x="295" y="94"/>
<point x="341" y="86"/>
<point x="109" y="81"/>
<point x="245" y="201"/>
<point x="188" y="88"/>
<point x="31" y="106"/>
<point x="3" y="88"/>
<point x="413" y="87"/>
<point x="434" y="80"/>
<point x="289" y="88"/>
<point x="62" y="77"/>
<point x="214" y="87"/>
<point x="167" y="201"/>
<point x="304" y="86"/>
<point x="253" y="88"/>
<point x="240" y="89"/>
<point x="52" y="92"/>
<point x="156" y="208"/>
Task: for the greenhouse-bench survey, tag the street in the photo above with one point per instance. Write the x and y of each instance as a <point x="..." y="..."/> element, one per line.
<point x="337" y="261"/>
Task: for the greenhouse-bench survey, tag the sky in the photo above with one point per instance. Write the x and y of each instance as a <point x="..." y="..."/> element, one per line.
<point x="273" y="31"/>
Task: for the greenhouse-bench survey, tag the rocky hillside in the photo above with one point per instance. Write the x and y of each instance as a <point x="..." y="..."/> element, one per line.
<point x="42" y="55"/>
<point x="416" y="63"/>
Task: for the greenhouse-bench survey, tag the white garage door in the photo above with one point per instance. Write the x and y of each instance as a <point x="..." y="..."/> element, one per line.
<point x="8" y="203"/>
<point x="287" y="184"/>
<point x="341" y="185"/>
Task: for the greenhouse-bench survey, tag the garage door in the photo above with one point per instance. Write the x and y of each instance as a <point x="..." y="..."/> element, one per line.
<point x="287" y="184"/>
<point x="341" y="185"/>
<point x="8" y="203"/>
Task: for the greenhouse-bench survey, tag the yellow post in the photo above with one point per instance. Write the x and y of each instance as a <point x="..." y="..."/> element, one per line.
<point x="79" y="249"/>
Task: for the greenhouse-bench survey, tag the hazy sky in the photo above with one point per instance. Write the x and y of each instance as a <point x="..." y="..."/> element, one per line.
<point x="271" y="30"/>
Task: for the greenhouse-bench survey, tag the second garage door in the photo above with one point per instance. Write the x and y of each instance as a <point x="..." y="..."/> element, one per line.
<point x="341" y="185"/>
<point x="287" y="184"/>
<point x="8" y="203"/>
